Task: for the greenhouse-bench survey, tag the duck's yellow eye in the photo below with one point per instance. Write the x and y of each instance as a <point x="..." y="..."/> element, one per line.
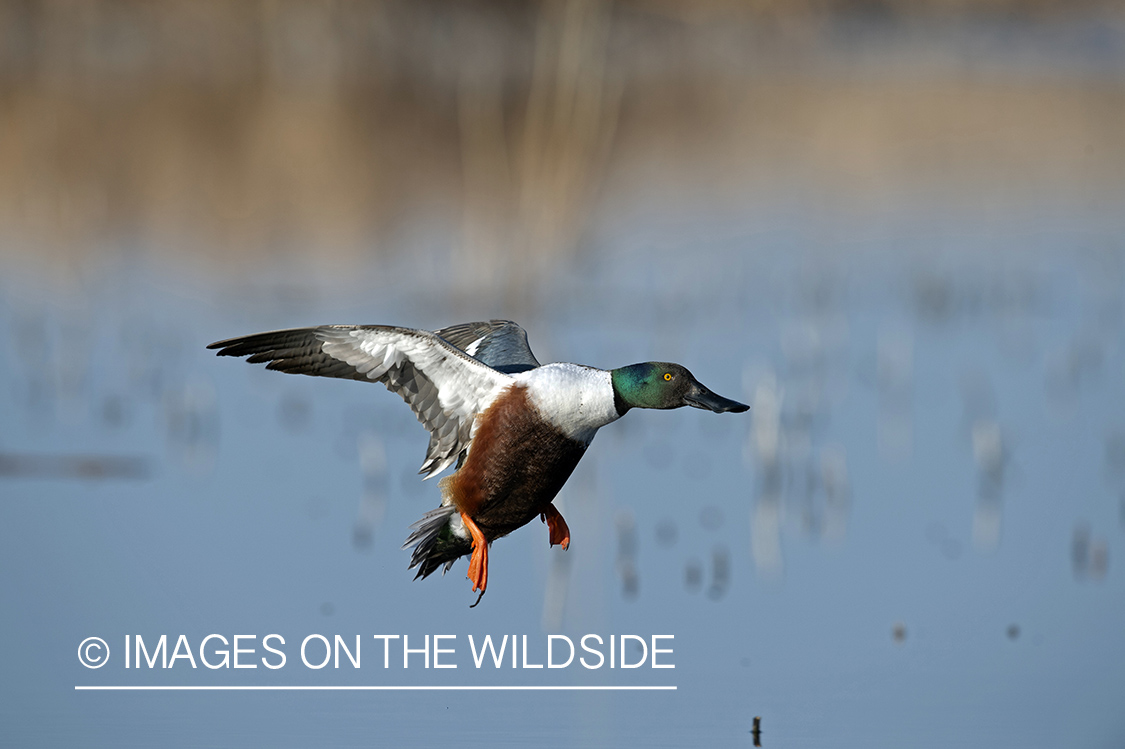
<point x="667" y="376"/>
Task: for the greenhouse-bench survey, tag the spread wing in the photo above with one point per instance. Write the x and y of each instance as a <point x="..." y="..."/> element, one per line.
<point x="501" y="344"/>
<point x="445" y="387"/>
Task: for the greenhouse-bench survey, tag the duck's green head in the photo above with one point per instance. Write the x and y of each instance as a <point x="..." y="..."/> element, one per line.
<point x="663" y="385"/>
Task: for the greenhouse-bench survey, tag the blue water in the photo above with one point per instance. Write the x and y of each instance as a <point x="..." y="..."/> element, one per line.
<point x="913" y="538"/>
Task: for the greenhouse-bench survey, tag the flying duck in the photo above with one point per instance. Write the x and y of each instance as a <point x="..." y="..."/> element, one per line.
<point x="516" y="429"/>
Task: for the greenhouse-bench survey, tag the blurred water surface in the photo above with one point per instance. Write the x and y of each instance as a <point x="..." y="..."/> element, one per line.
<point x="901" y="243"/>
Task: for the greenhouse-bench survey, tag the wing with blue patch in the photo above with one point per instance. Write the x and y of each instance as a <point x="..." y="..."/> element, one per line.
<point x="444" y="386"/>
<point x="501" y="344"/>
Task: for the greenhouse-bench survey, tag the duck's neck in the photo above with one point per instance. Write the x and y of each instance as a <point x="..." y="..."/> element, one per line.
<point x="577" y="400"/>
<point x="620" y="405"/>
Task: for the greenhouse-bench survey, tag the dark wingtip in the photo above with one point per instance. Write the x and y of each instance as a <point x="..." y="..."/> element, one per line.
<point x="228" y="347"/>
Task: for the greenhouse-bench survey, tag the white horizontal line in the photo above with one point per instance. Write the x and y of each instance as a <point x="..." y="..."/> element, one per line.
<point x="366" y="688"/>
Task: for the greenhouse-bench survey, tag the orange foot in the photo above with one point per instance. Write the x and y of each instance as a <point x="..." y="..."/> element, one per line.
<point x="560" y="533"/>
<point x="478" y="564"/>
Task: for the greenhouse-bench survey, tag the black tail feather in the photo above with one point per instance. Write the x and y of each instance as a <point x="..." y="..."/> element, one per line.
<point x="435" y="544"/>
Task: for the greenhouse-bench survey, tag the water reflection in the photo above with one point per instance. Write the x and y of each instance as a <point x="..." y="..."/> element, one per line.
<point x="626" y="565"/>
<point x="837" y="491"/>
<point x="294" y="411"/>
<point x="895" y="373"/>
<point x="556" y="592"/>
<point x="720" y="573"/>
<point x="86" y="467"/>
<point x="693" y="575"/>
<point x="764" y="447"/>
<point x="990" y="455"/>
<point x="898" y="633"/>
<point x="711" y="518"/>
<point x="1089" y="554"/>
<point x="373" y="498"/>
<point x="191" y="418"/>
<point x="667" y="532"/>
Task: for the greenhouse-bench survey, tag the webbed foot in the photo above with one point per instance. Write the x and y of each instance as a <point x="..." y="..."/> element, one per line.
<point x="560" y="533"/>
<point x="478" y="563"/>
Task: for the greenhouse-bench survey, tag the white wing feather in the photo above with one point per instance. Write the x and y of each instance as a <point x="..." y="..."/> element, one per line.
<point x="445" y="387"/>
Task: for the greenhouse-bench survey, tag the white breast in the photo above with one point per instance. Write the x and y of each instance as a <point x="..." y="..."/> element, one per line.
<point x="576" y="399"/>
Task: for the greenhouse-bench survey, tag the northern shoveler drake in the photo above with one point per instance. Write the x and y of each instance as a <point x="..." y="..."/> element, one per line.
<point x="516" y="429"/>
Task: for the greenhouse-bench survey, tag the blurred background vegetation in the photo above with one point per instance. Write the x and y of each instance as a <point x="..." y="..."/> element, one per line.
<point x="507" y="131"/>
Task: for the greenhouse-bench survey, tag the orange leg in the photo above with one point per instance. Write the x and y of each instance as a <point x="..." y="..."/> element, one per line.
<point x="478" y="563"/>
<point x="560" y="533"/>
